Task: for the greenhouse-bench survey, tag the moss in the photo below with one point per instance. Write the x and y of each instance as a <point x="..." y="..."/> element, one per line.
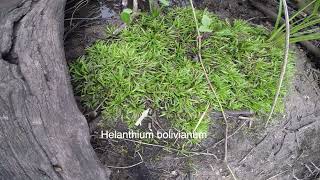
<point x="154" y="60"/>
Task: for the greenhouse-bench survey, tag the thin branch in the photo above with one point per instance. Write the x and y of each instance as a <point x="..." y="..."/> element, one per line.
<point x="318" y="169"/>
<point x="285" y="61"/>
<point x="212" y="89"/>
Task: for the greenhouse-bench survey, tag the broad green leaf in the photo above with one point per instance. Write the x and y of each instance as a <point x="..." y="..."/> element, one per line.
<point x="224" y="32"/>
<point x="206" y="20"/>
<point x="125" y="15"/>
<point x="127" y="10"/>
<point x="203" y="28"/>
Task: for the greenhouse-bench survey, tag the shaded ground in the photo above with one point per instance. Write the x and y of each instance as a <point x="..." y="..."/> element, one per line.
<point x="285" y="150"/>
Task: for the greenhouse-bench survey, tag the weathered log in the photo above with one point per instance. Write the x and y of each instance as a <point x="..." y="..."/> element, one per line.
<point x="43" y="135"/>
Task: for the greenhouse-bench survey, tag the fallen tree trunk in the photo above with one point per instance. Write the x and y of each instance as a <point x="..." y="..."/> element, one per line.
<point x="43" y="135"/>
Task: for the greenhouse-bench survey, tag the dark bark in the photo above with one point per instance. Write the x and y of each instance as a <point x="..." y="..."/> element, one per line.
<point x="43" y="135"/>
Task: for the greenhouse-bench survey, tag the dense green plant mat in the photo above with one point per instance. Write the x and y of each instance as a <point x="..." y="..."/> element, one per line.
<point x="153" y="64"/>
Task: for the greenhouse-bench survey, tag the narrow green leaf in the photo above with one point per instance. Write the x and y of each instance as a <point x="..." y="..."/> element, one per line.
<point x="305" y="25"/>
<point x="279" y="17"/>
<point x="316" y="7"/>
<point x="309" y="37"/>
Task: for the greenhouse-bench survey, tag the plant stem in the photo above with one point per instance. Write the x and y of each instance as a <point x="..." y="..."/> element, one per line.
<point x="278" y="17"/>
<point x="285" y="61"/>
<point x="213" y="90"/>
<point x="202" y="65"/>
<point x="278" y="31"/>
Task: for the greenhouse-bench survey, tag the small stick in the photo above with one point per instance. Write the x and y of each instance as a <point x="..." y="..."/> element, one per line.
<point x="76" y="25"/>
<point x="201" y="118"/>
<point x="127" y="167"/>
<point x="84" y="18"/>
<point x="318" y="169"/>
<point x="235" y="132"/>
<point x="294" y="175"/>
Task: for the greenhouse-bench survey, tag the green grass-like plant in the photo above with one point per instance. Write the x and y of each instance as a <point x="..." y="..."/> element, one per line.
<point x="153" y="64"/>
<point x="303" y="29"/>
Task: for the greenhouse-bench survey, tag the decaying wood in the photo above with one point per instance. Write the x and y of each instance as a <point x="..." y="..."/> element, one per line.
<point x="43" y="135"/>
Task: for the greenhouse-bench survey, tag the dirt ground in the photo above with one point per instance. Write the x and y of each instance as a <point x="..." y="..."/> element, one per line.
<point x="287" y="149"/>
